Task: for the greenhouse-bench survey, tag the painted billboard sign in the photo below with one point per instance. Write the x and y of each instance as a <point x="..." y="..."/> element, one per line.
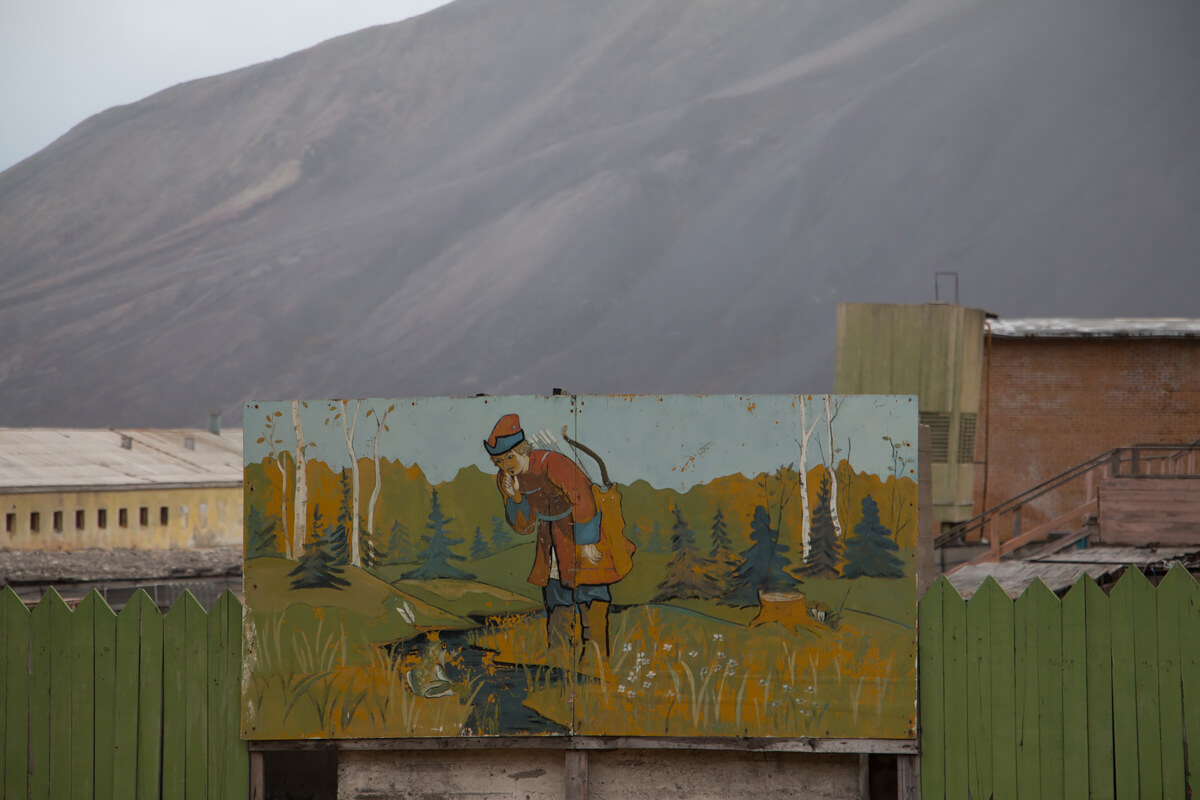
<point x="587" y="565"/>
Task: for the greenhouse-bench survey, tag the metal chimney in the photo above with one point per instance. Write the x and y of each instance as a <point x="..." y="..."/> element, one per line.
<point x="214" y="423"/>
<point x="126" y="441"/>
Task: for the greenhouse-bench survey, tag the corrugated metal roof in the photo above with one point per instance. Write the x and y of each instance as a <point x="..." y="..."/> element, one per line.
<point x="1072" y="328"/>
<point x="45" y="459"/>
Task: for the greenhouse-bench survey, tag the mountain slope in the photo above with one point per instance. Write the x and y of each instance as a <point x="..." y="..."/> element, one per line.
<point x="615" y="196"/>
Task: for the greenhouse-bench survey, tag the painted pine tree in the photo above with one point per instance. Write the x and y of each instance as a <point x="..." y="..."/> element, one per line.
<point x="479" y="545"/>
<point x="722" y="556"/>
<point x="317" y="569"/>
<point x="688" y="572"/>
<point x="502" y="535"/>
<point x="397" y="546"/>
<point x="764" y="565"/>
<point x="260" y="534"/>
<point x="656" y="543"/>
<point x="825" y="550"/>
<point x="870" y="551"/>
<point x="436" y="557"/>
<point x="338" y="540"/>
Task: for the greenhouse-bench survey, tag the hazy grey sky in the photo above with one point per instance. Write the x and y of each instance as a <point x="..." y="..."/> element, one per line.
<point x="61" y="61"/>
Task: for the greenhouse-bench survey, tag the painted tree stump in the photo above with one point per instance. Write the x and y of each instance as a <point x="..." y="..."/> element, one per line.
<point x="789" y="609"/>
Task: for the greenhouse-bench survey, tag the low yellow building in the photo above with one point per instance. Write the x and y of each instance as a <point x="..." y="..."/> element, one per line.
<point x="64" y="488"/>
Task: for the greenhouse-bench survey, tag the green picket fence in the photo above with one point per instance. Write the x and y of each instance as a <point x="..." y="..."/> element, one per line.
<point x="1090" y="696"/>
<point x="131" y="705"/>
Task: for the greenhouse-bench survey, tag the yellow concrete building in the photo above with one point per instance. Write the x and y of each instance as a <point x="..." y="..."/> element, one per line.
<point x="64" y="488"/>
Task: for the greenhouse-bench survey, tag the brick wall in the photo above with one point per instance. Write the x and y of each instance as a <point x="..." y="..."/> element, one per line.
<point x="1056" y="402"/>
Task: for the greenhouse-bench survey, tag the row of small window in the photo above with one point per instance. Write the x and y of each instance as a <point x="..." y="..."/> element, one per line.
<point x="35" y="519"/>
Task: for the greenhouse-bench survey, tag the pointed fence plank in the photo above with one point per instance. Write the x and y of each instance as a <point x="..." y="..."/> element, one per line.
<point x="1074" y="705"/>
<point x="125" y="689"/>
<point x="1171" y="600"/>
<point x="15" y="694"/>
<point x="83" y="698"/>
<point x="174" y="720"/>
<point x="1124" y="689"/>
<point x="930" y="655"/>
<point x="104" y="664"/>
<point x="150" y="696"/>
<point x="196" y="698"/>
<point x="1098" y="624"/>
<point x="1003" y="691"/>
<point x="236" y="755"/>
<point x="62" y="622"/>
<point x="1029" y="776"/>
<point x="40" y="634"/>
<point x="1048" y="618"/>
<point x="1189" y="656"/>
<point x="1145" y="643"/>
<point x="979" y="696"/>
<point x="954" y="617"/>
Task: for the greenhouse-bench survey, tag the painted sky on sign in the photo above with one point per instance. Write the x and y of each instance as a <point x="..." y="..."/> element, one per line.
<point x="672" y="442"/>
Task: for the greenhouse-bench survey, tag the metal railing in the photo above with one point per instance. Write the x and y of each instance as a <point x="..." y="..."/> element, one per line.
<point x="1139" y="461"/>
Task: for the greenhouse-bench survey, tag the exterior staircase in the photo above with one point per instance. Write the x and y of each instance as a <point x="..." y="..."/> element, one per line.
<point x="1140" y="495"/>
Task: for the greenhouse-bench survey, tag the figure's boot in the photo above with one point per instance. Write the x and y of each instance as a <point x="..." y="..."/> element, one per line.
<point x="595" y="627"/>
<point x="560" y="623"/>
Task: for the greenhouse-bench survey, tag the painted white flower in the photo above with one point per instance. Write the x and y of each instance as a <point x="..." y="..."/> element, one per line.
<point x="668" y="647"/>
<point x="720" y="656"/>
<point x="645" y="684"/>
<point x="718" y="637"/>
<point x="651" y="674"/>
<point x="621" y="689"/>
<point x="693" y="653"/>
<point x="627" y="648"/>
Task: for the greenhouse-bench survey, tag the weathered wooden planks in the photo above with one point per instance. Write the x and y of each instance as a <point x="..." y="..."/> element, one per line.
<point x="82" y="711"/>
<point x="1087" y="697"/>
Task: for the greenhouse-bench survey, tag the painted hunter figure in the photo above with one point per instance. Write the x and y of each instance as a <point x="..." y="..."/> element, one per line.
<point x="580" y="548"/>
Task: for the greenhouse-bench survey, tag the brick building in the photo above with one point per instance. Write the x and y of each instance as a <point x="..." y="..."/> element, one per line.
<point x="1012" y="404"/>
<point x="1057" y="392"/>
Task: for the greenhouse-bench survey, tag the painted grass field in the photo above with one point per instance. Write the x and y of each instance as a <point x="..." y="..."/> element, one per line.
<point x="701" y="670"/>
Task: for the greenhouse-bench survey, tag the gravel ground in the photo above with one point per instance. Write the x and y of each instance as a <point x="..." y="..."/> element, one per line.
<point x="96" y="564"/>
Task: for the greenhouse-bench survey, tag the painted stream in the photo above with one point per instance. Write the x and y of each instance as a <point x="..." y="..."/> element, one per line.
<point x="498" y="708"/>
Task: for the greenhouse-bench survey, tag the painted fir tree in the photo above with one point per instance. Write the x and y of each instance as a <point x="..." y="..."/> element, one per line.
<point x="479" y="545"/>
<point x="260" y="534"/>
<point x="317" y="568"/>
<point x="723" y="560"/>
<point x="436" y="557"/>
<point x="502" y="535"/>
<point x="764" y="566"/>
<point x="870" y="551"/>
<point x="397" y="546"/>
<point x="825" y="549"/>
<point x="656" y="543"/>
<point x="688" y="572"/>
<point x="338" y="542"/>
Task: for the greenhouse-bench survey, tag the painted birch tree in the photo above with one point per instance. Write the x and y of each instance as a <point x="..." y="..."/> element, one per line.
<point x="380" y="427"/>
<point x="341" y="410"/>
<point x="831" y="411"/>
<point x="806" y="434"/>
<point x="272" y="439"/>
<point x="300" y="527"/>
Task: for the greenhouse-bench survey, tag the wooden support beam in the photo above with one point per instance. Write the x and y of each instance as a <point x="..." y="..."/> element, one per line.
<point x="577" y="774"/>
<point x="258" y="786"/>
<point x="908" y="778"/>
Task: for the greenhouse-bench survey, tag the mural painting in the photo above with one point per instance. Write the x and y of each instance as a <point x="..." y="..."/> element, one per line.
<point x="590" y="565"/>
